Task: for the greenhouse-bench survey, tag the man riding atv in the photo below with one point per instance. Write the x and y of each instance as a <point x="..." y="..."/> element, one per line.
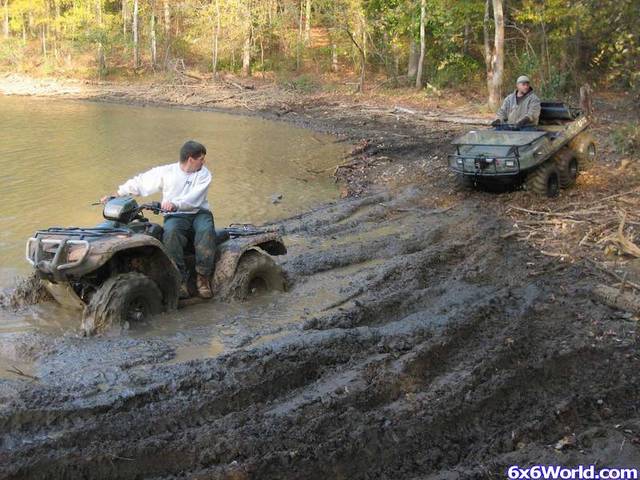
<point x="184" y="186"/>
<point x="521" y="108"/>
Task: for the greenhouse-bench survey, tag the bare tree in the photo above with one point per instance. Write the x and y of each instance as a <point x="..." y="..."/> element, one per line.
<point x="214" y="45"/>
<point x="136" y="46"/>
<point x="246" y="46"/>
<point x="5" y="23"/>
<point x="423" y="14"/>
<point x="152" y="34"/>
<point x="414" y="57"/>
<point x="167" y="17"/>
<point x="125" y="16"/>
<point x="307" y="24"/>
<point x="494" y="55"/>
<point x="334" y="58"/>
<point x="102" y="63"/>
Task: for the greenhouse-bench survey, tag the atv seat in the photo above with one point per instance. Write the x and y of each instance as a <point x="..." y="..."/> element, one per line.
<point x="553" y="111"/>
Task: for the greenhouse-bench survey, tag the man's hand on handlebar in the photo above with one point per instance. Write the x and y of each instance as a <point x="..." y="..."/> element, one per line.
<point x="497" y="122"/>
<point x="106" y="198"/>
<point x="168" y="206"/>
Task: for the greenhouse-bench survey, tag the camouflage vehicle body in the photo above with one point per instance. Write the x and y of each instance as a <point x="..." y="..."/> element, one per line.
<point x="505" y="154"/>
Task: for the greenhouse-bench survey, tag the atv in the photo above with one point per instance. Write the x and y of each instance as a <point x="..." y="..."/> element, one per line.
<point x="119" y="273"/>
<point x="547" y="158"/>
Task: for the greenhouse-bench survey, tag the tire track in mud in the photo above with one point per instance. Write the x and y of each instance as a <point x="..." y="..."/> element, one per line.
<point x="447" y="358"/>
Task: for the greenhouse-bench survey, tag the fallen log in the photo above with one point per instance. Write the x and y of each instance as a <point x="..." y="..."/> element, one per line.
<point x="441" y="118"/>
<point x="616" y="298"/>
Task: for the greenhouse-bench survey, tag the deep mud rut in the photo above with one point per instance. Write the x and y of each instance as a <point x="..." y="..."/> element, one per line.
<point x="419" y="344"/>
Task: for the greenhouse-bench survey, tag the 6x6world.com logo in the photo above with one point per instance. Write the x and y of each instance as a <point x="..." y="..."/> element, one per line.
<point x="582" y="472"/>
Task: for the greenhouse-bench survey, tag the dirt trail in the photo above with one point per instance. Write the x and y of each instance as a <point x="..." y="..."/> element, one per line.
<point x="445" y="353"/>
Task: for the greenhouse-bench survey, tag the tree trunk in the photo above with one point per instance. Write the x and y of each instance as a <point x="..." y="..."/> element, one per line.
<point x="216" y="33"/>
<point x="43" y="34"/>
<point x="414" y="58"/>
<point x="299" y="45"/>
<point x="423" y="14"/>
<point x="334" y="58"/>
<point x="246" y="55"/>
<point x="100" y="54"/>
<point x="134" y="27"/>
<point x="125" y="17"/>
<point x="152" y="33"/>
<point x="5" y="23"/>
<point x="494" y="56"/>
<point x="246" y="47"/>
<point x="167" y="17"/>
<point x="307" y="24"/>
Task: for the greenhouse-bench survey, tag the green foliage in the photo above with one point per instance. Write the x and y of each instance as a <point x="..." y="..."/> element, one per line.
<point x="456" y="70"/>
<point x="12" y="53"/>
<point x="626" y="139"/>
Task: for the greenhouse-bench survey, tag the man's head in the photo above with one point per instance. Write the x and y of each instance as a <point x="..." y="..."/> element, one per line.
<point x="523" y="84"/>
<point x="192" y="156"/>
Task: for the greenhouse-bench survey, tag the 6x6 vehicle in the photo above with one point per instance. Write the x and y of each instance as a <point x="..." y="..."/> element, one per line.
<point x="547" y="158"/>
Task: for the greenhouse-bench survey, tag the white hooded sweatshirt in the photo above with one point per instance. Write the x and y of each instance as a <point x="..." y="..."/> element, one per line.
<point x="187" y="191"/>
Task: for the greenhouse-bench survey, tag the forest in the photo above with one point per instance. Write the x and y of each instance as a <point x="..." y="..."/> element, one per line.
<point x="431" y="44"/>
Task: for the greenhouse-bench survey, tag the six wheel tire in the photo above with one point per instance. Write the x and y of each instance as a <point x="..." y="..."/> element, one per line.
<point x="584" y="149"/>
<point x="544" y="180"/>
<point x="568" y="166"/>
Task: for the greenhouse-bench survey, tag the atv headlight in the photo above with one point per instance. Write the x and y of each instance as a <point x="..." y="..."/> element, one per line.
<point x="489" y="160"/>
<point x="459" y="161"/>
<point x="510" y="163"/>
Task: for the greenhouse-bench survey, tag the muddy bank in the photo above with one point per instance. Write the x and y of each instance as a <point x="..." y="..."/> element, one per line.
<point x="445" y="352"/>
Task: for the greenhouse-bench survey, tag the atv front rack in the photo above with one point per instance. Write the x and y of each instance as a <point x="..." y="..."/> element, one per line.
<point x="82" y="233"/>
<point x="50" y="255"/>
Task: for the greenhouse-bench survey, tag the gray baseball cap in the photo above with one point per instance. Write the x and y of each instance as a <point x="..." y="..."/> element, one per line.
<point x="523" y="79"/>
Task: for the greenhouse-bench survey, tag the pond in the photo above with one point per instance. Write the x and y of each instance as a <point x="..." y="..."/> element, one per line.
<point x="57" y="157"/>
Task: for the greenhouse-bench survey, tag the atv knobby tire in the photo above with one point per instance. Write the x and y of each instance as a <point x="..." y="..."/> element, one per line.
<point x="584" y="149"/>
<point x="121" y="300"/>
<point x="256" y="272"/>
<point x="568" y="167"/>
<point x="544" y="180"/>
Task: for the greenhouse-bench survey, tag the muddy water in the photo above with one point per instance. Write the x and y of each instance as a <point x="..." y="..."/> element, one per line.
<point x="57" y="157"/>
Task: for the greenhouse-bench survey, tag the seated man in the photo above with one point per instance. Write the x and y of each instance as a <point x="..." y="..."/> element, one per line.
<point x="184" y="186"/>
<point x="521" y="108"/>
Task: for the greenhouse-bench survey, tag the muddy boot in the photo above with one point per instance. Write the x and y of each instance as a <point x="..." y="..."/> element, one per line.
<point x="204" y="287"/>
<point x="184" y="291"/>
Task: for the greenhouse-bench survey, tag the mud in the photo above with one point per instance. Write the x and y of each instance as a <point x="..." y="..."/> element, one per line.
<point x="440" y="352"/>
<point x="415" y="342"/>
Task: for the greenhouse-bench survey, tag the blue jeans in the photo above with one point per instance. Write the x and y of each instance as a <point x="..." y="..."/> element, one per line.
<point x="180" y="228"/>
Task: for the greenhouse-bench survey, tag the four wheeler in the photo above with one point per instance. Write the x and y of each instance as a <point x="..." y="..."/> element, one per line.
<point x="547" y="158"/>
<point x="119" y="272"/>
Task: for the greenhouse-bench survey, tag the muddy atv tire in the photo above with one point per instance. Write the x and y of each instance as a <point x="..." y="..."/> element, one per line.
<point x="256" y="273"/>
<point x="584" y="149"/>
<point x="544" y="180"/>
<point x="568" y="167"/>
<point x="122" y="300"/>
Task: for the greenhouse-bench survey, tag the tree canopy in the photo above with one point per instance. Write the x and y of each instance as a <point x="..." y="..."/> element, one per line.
<point x="559" y="43"/>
